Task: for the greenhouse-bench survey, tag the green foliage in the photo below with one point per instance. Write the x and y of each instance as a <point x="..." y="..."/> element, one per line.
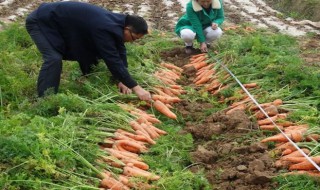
<point x="298" y="182"/>
<point x="171" y="161"/>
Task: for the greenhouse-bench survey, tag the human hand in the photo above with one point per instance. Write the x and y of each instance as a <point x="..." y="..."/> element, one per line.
<point x="124" y="89"/>
<point x="142" y="93"/>
<point x="203" y="47"/>
<point x="214" y="26"/>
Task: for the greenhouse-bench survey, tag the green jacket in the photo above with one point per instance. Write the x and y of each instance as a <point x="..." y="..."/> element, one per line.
<point x="197" y="19"/>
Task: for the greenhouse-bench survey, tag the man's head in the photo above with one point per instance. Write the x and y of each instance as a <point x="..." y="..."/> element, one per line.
<point x="135" y="27"/>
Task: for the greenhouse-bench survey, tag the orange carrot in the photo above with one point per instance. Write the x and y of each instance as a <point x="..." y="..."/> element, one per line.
<point x="297" y="153"/>
<point x="239" y="107"/>
<point x="166" y="100"/>
<point x="270" y="127"/>
<point x="250" y="85"/>
<point x="313" y="137"/>
<point x="153" y="134"/>
<point x="136" y="163"/>
<point x="199" y="65"/>
<point x="136" y="126"/>
<point x="136" y="137"/>
<point x="286" y="145"/>
<point x="294" y="159"/>
<point x="276" y="138"/>
<point x="171" y="66"/>
<point x="286" y="152"/>
<point x="268" y="121"/>
<point x="162" y="108"/>
<point x="270" y="111"/>
<point x="281" y="164"/>
<point x="175" y="86"/>
<point x="276" y="102"/>
<point x="131" y="146"/>
<point x="112" y="183"/>
<point x="131" y="170"/>
<point x="121" y="155"/>
<point x="198" y="55"/>
<point x="203" y="80"/>
<point x="159" y="131"/>
<point x="296" y="136"/>
<point x="305" y="165"/>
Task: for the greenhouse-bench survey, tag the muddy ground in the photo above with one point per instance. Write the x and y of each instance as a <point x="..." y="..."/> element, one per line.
<point x="231" y="160"/>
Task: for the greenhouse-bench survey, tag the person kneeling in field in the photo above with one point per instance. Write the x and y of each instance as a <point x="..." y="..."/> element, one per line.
<point x="84" y="32"/>
<point x="201" y="21"/>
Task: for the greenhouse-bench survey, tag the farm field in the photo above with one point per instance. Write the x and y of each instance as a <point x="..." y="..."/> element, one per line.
<point x="225" y="109"/>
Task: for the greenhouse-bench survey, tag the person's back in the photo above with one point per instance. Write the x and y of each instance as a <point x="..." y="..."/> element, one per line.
<point x="84" y="32"/>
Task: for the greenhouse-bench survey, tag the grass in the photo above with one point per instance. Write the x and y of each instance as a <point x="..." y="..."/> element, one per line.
<point x="51" y="143"/>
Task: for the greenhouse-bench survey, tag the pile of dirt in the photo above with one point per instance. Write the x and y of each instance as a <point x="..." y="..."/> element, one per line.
<point x="229" y="156"/>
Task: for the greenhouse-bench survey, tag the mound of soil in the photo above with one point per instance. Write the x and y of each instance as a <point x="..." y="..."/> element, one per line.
<point x="228" y="151"/>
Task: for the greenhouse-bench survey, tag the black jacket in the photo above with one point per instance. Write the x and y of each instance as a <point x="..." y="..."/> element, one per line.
<point x="83" y="32"/>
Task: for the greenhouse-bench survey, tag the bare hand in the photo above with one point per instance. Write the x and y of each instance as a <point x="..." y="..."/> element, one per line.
<point x="124" y="89"/>
<point x="214" y="26"/>
<point x="142" y="93"/>
<point x="203" y="47"/>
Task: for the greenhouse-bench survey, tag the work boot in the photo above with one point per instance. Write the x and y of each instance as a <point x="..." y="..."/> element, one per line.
<point x="189" y="50"/>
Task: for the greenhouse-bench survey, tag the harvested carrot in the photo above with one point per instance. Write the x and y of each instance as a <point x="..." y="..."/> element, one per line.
<point x="276" y="102"/>
<point x="313" y="137"/>
<point x="136" y="163"/>
<point x="294" y="159"/>
<point x="121" y="154"/>
<point x="296" y="136"/>
<point x="131" y="170"/>
<point x="286" y="145"/>
<point x="282" y="164"/>
<point x="159" y="131"/>
<point x="270" y="127"/>
<point x="297" y="153"/>
<point x="162" y="108"/>
<point x="305" y="165"/>
<point x="153" y="134"/>
<point x="250" y="85"/>
<point x="166" y="100"/>
<point x="113" y="184"/>
<point x="269" y="120"/>
<point x="286" y="152"/>
<point x="171" y="66"/>
<point x="131" y="146"/>
<point x="270" y="111"/>
<point x="239" y="107"/>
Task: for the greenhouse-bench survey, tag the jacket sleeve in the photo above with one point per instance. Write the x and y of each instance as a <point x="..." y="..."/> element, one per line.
<point x="196" y="24"/>
<point x="123" y="54"/>
<point x="220" y="15"/>
<point x="114" y="55"/>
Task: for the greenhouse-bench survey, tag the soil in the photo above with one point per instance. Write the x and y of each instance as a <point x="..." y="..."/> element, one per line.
<point x="223" y="142"/>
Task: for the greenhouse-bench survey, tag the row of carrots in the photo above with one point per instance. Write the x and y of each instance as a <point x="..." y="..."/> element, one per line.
<point x="123" y="151"/>
<point x="207" y="77"/>
<point x="124" y="147"/>
<point x="168" y="94"/>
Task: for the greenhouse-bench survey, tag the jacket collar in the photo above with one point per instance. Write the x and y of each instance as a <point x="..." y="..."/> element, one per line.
<point x="197" y="7"/>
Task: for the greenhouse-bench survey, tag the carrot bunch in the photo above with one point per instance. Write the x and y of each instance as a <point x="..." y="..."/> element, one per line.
<point x="123" y="150"/>
<point x="166" y="95"/>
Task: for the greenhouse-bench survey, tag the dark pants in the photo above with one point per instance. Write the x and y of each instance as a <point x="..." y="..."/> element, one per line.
<point x="50" y="72"/>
